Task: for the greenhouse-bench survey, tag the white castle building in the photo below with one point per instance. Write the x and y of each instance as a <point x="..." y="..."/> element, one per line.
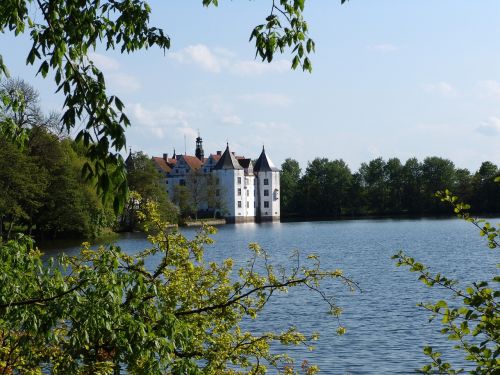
<point x="241" y="190"/>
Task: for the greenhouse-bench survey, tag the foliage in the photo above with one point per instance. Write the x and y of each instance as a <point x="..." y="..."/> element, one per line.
<point x="104" y="310"/>
<point x="199" y="195"/>
<point x="182" y="198"/>
<point x="329" y="189"/>
<point x="289" y="183"/>
<point x="61" y="50"/>
<point x="324" y="187"/>
<point x="22" y="187"/>
<point x="272" y="36"/>
<point x="29" y="114"/>
<point x="42" y="191"/>
<point x="145" y="180"/>
<point x="197" y="187"/>
<point x="70" y="206"/>
<point x="214" y="195"/>
<point x="475" y="324"/>
<point x="41" y="188"/>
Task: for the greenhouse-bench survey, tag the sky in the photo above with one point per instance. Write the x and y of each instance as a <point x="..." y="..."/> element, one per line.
<point x="390" y="78"/>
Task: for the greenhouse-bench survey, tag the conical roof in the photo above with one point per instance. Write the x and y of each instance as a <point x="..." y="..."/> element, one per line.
<point x="264" y="164"/>
<point x="129" y="162"/>
<point x="228" y="161"/>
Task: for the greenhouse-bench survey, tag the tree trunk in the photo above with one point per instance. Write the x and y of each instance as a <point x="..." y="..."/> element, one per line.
<point x="10" y="229"/>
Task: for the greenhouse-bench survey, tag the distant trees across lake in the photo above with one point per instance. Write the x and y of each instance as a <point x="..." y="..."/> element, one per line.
<point x="328" y="188"/>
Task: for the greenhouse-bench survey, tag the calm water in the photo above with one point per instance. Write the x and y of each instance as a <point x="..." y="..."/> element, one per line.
<point x="386" y="330"/>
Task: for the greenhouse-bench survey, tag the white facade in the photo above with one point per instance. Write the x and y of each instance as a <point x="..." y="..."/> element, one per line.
<point x="246" y="192"/>
<point x="268" y="188"/>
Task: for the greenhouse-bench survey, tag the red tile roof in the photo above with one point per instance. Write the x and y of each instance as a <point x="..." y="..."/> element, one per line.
<point x="193" y="162"/>
<point x="215" y="157"/>
<point x="162" y="164"/>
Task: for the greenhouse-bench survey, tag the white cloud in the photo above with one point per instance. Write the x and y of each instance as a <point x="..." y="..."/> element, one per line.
<point x="383" y="47"/>
<point x="489" y="89"/>
<point x="218" y="60"/>
<point x="231" y="120"/>
<point x="267" y="99"/>
<point x="125" y="82"/>
<point x="103" y="62"/>
<point x="161" y="121"/>
<point x="199" y="55"/>
<point x="190" y="133"/>
<point x="252" y="67"/>
<point x="271" y="126"/>
<point x="441" y="88"/>
<point x="491" y="127"/>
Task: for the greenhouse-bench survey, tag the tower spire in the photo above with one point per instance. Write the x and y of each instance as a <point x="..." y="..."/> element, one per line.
<point x="199" y="148"/>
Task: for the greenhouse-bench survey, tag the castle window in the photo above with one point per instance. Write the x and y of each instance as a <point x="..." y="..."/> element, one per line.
<point x="266" y="193"/>
<point x="266" y="181"/>
<point x="182" y="182"/>
<point x="239" y="180"/>
<point x="217" y="180"/>
<point x="248" y="204"/>
<point x="266" y="204"/>
<point x="239" y="204"/>
<point x="239" y="192"/>
<point x="217" y="192"/>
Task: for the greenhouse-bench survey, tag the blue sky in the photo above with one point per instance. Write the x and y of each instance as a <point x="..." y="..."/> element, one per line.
<point x="390" y="78"/>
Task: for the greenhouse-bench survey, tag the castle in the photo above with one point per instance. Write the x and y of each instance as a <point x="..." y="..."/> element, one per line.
<point x="230" y="186"/>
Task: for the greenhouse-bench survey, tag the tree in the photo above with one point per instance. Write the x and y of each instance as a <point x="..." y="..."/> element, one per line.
<point x="412" y="189"/>
<point x="394" y="175"/>
<point x="144" y="179"/>
<point x="215" y="196"/>
<point x="43" y="178"/>
<point x="105" y="311"/>
<point x="486" y="191"/>
<point x="22" y="186"/>
<point x="437" y="174"/>
<point x="375" y="183"/>
<point x="463" y="184"/>
<point x="325" y="187"/>
<point x="197" y="185"/>
<point x="356" y="196"/>
<point x="28" y="114"/>
<point x="70" y="206"/>
<point x="182" y="198"/>
<point x="289" y="183"/>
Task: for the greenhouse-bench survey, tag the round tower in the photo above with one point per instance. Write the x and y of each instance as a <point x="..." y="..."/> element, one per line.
<point x="267" y="186"/>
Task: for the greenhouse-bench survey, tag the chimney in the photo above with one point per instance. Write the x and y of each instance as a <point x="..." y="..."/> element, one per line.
<point x="165" y="157"/>
<point x="219" y="153"/>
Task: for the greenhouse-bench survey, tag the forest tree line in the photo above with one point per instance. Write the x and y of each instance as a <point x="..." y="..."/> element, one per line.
<point x="42" y="190"/>
<point x="329" y="189"/>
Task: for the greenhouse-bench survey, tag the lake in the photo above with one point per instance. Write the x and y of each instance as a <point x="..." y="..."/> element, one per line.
<point x="386" y="331"/>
